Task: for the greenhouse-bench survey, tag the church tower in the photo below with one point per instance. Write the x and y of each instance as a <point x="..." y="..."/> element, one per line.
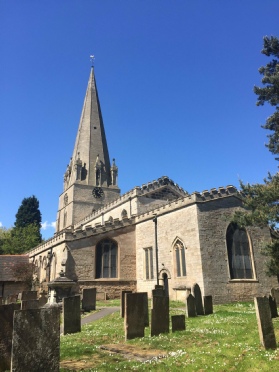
<point x="90" y="180"/>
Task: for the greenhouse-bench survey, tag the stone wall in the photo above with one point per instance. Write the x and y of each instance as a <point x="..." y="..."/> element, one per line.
<point x="213" y="218"/>
<point x="182" y="224"/>
<point x="10" y="288"/>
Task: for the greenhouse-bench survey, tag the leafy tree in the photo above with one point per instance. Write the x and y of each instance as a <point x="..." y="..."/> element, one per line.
<point x="262" y="200"/>
<point x="28" y="213"/>
<point x="18" y="240"/>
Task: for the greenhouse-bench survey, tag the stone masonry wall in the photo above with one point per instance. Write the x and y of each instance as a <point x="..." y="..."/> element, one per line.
<point x="82" y="255"/>
<point x="213" y="219"/>
<point x="182" y="224"/>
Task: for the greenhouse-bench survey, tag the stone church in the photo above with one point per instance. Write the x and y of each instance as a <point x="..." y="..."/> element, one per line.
<point x="153" y="234"/>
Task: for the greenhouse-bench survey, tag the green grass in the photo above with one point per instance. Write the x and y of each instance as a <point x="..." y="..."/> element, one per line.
<point x="227" y="340"/>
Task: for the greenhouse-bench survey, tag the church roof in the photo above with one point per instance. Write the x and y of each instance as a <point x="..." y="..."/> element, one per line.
<point x="91" y="144"/>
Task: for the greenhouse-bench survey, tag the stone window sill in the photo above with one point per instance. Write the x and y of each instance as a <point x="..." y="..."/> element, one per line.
<point x="243" y="281"/>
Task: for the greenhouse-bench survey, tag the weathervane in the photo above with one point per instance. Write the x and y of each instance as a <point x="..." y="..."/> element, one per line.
<point x="92" y="57"/>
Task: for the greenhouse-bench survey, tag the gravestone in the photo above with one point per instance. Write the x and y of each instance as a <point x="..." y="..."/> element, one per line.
<point x="43" y="299"/>
<point x="19" y="296"/>
<point x="178" y="323"/>
<point x="6" y="334"/>
<point x="190" y="306"/>
<point x="134" y="315"/>
<point x="159" y="315"/>
<point x="29" y="304"/>
<point x="158" y="291"/>
<point x="275" y="294"/>
<point x="36" y="340"/>
<point x="265" y="326"/>
<point x="28" y="295"/>
<point x="1" y="300"/>
<point x="273" y="307"/>
<point x="198" y="299"/>
<point x="71" y="315"/>
<point x="207" y="305"/>
<point x="88" y="299"/>
<point x="122" y="303"/>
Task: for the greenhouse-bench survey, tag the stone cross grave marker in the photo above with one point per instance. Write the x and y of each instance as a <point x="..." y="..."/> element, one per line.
<point x="71" y="315"/>
<point x="265" y="326"/>
<point x="89" y="299"/>
<point x="36" y="340"/>
<point x="6" y="334"/>
<point x="134" y="315"/>
<point x="190" y="306"/>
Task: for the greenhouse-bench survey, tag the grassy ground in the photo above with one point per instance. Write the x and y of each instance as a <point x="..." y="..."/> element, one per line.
<point x="227" y="340"/>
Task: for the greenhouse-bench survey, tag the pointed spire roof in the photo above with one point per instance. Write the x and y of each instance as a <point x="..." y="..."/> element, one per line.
<point x="91" y="139"/>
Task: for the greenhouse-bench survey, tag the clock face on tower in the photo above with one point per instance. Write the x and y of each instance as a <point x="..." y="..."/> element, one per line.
<point x="97" y="192"/>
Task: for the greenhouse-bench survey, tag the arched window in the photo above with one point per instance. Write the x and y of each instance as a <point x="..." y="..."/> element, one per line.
<point x="239" y="253"/>
<point x="179" y="252"/>
<point x="124" y="213"/>
<point x="106" y="259"/>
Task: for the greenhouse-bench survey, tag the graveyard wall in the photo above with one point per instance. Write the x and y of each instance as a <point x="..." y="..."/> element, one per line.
<point x="12" y="288"/>
<point x="213" y="219"/>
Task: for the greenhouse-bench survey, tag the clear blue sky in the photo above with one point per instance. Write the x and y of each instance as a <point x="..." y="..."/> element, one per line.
<point x="175" y="81"/>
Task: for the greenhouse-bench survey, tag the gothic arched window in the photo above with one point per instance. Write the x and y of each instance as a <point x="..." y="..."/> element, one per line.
<point x="239" y="253"/>
<point x="106" y="259"/>
<point x="124" y="213"/>
<point x="180" y="260"/>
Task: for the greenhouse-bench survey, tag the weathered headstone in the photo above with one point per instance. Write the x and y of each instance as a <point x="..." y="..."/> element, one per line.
<point x="207" y="305"/>
<point x="28" y="295"/>
<point x="178" y="323"/>
<point x="198" y="299"/>
<point x="275" y="294"/>
<point x="159" y="315"/>
<point x="36" y="340"/>
<point x="134" y="315"/>
<point x="19" y="296"/>
<point x="158" y="291"/>
<point x="71" y="315"/>
<point x="190" y="306"/>
<point x="122" y="303"/>
<point x="273" y="307"/>
<point x="29" y="304"/>
<point x="88" y="299"/>
<point x="265" y="326"/>
<point x="6" y="334"/>
<point x="43" y="299"/>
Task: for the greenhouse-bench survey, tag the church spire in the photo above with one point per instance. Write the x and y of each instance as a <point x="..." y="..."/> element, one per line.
<point x="90" y="143"/>
<point x="90" y="181"/>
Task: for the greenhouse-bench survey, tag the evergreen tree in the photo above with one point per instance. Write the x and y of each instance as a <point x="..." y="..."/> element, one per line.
<point x="29" y="213"/>
<point x="270" y="90"/>
<point x="262" y="200"/>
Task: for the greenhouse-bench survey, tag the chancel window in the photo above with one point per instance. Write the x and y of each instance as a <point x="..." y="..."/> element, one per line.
<point x="239" y="253"/>
<point x="180" y="259"/>
<point x="106" y="259"/>
<point x="148" y="263"/>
